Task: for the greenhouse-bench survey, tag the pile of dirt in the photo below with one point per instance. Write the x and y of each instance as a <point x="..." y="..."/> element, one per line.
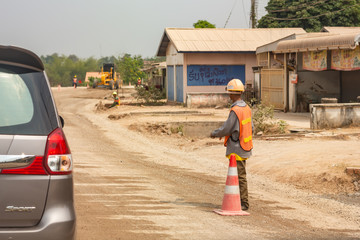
<point x="157" y="128"/>
<point x="100" y="107"/>
<point x="118" y="116"/>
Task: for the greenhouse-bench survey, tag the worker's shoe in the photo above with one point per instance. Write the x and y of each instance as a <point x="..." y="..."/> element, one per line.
<point x="244" y="207"/>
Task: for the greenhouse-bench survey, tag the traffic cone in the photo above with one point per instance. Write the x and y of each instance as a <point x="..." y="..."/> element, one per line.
<point x="231" y="202"/>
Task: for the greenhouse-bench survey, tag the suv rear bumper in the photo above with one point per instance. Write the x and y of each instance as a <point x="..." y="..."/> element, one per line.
<point x="58" y="221"/>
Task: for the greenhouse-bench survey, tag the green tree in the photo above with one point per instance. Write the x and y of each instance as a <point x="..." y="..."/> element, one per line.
<point x="155" y="59"/>
<point x="312" y="15"/>
<point x="61" y="69"/>
<point x="203" y="24"/>
<point x="130" y="68"/>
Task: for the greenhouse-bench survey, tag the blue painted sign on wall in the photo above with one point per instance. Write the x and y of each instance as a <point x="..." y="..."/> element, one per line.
<point x="214" y="75"/>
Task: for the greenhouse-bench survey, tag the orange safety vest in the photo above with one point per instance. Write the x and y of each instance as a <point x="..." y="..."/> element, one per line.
<point x="117" y="101"/>
<point x="245" y="134"/>
<point x="74" y="80"/>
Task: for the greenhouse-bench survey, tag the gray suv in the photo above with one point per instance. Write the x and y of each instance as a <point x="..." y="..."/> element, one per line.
<point x="36" y="182"/>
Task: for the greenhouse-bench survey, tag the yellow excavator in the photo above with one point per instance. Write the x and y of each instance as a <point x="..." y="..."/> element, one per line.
<point x="108" y="77"/>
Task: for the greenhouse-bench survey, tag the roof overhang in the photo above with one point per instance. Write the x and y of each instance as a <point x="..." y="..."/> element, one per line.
<point x="19" y="57"/>
<point x="332" y="42"/>
<point x="161" y="52"/>
<point x="270" y="47"/>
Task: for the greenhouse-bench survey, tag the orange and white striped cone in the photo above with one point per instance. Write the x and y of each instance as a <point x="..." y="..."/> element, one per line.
<point x="231" y="202"/>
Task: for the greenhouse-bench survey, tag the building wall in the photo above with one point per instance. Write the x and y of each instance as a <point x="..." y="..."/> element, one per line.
<point x="312" y="86"/>
<point x="350" y="88"/>
<point x="173" y="61"/>
<point x="173" y="58"/>
<point x="247" y="59"/>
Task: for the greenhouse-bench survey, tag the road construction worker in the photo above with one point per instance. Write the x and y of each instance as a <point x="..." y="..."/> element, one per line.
<point x="237" y="131"/>
<point x="116" y="100"/>
<point x="75" y="81"/>
<point x="139" y="81"/>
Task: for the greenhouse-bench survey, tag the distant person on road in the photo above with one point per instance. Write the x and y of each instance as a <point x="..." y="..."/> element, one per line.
<point x="116" y="100"/>
<point x="237" y="131"/>
<point x="75" y="81"/>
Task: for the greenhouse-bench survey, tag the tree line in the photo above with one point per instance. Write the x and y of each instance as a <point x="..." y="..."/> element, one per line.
<point x="61" y="69"/>
<point x="311" y="15"/>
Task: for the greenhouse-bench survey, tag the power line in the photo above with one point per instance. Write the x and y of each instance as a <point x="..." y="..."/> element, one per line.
<point x="301" y="18"/>
<point x="227" y="20"/>
<point x="244" y="13"/>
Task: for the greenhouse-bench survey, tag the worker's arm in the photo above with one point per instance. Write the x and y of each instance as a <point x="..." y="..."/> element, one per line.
<point x="227" y="128"/>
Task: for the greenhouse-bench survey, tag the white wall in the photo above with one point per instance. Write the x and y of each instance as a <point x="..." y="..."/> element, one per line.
<point x="334" y="115"/>
<point x="173" y="57"/>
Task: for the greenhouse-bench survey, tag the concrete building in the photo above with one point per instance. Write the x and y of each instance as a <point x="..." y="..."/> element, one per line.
<point x="200" y="62"/>
<point x="302" y="69"/>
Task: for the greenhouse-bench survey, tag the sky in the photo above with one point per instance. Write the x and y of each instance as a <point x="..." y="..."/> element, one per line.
<point x="93" y="28"/>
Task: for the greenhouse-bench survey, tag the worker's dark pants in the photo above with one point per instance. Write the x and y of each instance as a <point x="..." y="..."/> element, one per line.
<point x="243" y="183"/>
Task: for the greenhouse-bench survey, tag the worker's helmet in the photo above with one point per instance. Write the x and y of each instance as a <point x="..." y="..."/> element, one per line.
<point x="114" y="93"/>
<point x="235" y="86"/>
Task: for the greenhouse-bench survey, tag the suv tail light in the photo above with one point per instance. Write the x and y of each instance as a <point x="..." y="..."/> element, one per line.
<point x="56" y="161"/>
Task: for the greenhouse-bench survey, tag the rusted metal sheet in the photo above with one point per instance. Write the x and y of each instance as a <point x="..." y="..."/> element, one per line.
<point x="340" y="41"/>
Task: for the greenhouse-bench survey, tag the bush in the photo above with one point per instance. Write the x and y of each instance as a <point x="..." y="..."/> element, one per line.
<point x="263" y="117"/>
<point x="149" y="94"/>
<point x="92" y="80"/>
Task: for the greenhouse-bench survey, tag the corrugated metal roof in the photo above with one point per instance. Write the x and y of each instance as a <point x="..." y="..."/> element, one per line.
<point x="339" y="41"/>
<point x="341" y="30"/>
<point x="270" y="47"/>
<point x="221" y="40"/>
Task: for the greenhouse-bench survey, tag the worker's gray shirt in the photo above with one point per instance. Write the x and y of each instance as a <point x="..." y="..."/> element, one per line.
<point x="231" y="128"/>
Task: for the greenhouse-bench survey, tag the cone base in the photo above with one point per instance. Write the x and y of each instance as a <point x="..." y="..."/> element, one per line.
<point x="231" y="213"/>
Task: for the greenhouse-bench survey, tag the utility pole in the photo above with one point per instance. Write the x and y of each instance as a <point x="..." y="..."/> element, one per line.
<point x="253" y="13"/>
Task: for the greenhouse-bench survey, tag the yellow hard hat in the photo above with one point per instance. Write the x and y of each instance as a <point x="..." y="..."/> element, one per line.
<point x="114" y="93"/>
<point x="75" y="76"/>
<point x="235" y="86"/>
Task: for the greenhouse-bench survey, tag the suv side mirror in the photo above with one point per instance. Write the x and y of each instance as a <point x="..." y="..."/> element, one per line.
<point x="62" y="121"/>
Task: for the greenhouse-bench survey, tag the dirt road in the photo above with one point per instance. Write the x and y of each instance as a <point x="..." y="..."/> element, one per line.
<point x="151" y="185"/>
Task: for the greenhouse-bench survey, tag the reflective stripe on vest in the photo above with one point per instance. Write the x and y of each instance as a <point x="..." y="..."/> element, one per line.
<point x="245" y="134"/>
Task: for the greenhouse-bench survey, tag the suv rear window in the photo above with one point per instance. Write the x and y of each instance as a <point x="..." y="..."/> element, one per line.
<point x="19" y="107"/>
<point x="26" y="106"/>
